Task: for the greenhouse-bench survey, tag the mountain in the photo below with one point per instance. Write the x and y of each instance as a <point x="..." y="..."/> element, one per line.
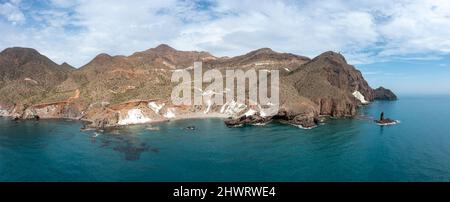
<point x="329" y="82"/>
<point x="264" y="58"/>
<point x="67" y="67"/>
<point x="120" y="90"/>
<point x="27" y="77"/>
<point x="142" y="75"/>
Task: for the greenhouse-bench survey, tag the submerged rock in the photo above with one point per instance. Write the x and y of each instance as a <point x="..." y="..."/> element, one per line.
<point x="190" y="128"/>
<point x="151" y="128"/>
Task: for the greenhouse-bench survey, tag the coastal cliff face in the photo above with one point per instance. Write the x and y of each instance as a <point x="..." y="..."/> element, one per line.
<point x="330" y="82"/>
<point x="121" y="90"/>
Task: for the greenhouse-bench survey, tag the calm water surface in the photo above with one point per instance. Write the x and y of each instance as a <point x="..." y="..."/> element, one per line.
<point x="418" y="149"/>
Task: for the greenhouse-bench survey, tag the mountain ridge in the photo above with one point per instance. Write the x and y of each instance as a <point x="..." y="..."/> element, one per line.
<point x="109" y="90"/>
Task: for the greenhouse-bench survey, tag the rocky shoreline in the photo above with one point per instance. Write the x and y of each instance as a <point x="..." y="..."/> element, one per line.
<point x="113" y="91"/>
<point x="304" y="121"/>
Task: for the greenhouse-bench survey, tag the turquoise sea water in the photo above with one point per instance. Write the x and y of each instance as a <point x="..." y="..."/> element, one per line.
<point x="418" y="149"/>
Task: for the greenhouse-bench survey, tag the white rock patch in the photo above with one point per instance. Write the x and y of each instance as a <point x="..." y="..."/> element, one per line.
<point x="169" y="65"/>
<point x="360" y="97"/>
<point x="156" y="107"/>
<point x="170" y="113"/>
<point x="266" y="112"/>
<point x="232" y="108"/>
<point x="135" y="116"/>
<point x="31" y="80"/>
<point x="250" y="112"/>
<point x="3" y="112"/>
<point x="208" y="108"/>
<point x="104" y="104"/>
<point x="262" y="63"/>
<point x="46" y="110"/>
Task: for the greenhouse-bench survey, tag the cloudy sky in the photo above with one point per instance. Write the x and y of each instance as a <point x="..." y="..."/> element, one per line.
<point x="403" y="44"/>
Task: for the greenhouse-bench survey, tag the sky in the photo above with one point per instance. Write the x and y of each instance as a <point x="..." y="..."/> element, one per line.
<point x="400" y="44"/>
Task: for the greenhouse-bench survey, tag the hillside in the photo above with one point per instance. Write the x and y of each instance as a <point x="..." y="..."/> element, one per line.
<point x="27" y="77"/>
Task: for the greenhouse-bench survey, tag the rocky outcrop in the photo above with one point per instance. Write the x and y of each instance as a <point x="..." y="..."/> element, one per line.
<point x="50" y="111"/>
<point x="255" y="119"/>
<point x="384" y="94"/>
<point x="4" y="112"/>
<point x="105" y="121"/>
<point x="385" y="121"/>
<point x="303" y="120"/>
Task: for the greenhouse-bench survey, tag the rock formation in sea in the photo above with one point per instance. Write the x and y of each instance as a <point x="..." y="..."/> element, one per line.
<point x="121" y="90"/>
<point x="385" y="121"/>
<point x="384" y="94"/>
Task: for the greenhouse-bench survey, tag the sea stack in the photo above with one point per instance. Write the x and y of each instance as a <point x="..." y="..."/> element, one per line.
<point x="383" y="121"/>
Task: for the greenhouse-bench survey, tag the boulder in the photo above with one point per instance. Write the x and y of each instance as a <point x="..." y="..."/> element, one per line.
<point x="255" y="119"/>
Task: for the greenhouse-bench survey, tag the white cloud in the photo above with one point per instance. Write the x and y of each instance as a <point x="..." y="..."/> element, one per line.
<point x="300" y="29"/>
<point x="365" y="31"/>
<point x="422" y="26"/>
<point x="64" y="3"/>
<point x="11" y="12"/>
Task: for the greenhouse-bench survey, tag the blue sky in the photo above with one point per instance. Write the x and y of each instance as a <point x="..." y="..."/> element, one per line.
<point x="409" y="77"/>
<point x="400" y="44"/>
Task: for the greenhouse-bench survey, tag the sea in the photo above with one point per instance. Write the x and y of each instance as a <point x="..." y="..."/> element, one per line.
<point x="417" y="149"/>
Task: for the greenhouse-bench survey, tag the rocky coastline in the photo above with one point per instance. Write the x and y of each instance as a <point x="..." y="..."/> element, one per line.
<point x="112" y="91"/>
